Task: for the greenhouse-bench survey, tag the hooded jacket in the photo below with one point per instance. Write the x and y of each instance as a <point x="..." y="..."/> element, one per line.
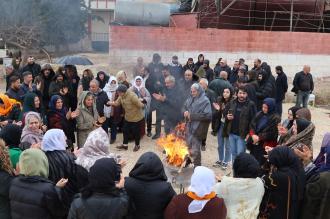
<point x="46" y="82"/>
<point x="145" y="185"/>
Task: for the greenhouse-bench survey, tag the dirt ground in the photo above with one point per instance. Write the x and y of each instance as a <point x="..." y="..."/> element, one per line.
<point x="320" y="117"/>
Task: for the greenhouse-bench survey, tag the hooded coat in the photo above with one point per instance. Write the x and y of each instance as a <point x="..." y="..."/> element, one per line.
<point x="284" y="186"/>
<point x="29" y="136"/>
<point x="85" y="119"/>
<point x="265" y="89"/>
<point x="33" y="182"/>
<point x="148" y="188"/>
<point x="200" y="115"/>
<point x="46" y="82"/>
<point x="29" y="106"/>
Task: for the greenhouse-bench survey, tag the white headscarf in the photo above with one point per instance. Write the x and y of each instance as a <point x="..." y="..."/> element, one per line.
<point x="142" y="83"/>
<point x="202" y="183"/>
<point x="95" y="147"/>
<point x="111" y="87"/>
<point x="54" y="140"/>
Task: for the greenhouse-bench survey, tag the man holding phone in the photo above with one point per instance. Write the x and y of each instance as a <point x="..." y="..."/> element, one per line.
<point x="239" y="114"/>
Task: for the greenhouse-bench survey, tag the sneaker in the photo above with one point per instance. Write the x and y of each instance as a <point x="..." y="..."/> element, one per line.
<point x="203" y="148"/>
<point x="136" y="148"/>
<point x="156" y="136"/>
<point x="217" y="164"/>
<point x="224" y="166"/>
<point x="149" y="134"/>
<point x="122" y="147"/>
<point x="112" y="141"/>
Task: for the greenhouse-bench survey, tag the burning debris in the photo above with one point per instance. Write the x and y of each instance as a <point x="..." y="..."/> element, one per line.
<point x="175" y="146"/>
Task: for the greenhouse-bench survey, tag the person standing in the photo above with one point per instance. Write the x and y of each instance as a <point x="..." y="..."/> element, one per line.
<point x="102" y="78"/>
<point x="133" y="115"/>
<point x="281" y="88"/>
<point x="139" y="68"/>
<point x="239" y="114"/>
<point x="222" y="67"/>
<point x="303" y="86"/>
<point x="176" y="68"/>
<point x="14" y="91"/>
<point x="220" y="83"/>
<point x="9" y="72"/>
<point x="47" y="74"/>
<point x="32" y="67"/>
<point x="198" y="114"/>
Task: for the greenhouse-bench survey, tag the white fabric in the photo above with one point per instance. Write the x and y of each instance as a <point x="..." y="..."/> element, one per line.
<point x="110" y="89"/>
<point x="242" y="196"/>
<point x="202" y="183"/>
<point x="96" y="147"/>
<point x="54" y="140"/>
<point x="142" y="83"/>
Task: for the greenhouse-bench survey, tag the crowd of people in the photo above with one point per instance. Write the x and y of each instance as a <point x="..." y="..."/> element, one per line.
<point x="57" y="128"/>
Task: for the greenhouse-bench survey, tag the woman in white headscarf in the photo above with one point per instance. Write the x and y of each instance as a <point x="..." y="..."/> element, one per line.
<point x="200" y="201"/>
<point x="61" y="163"/>
<point x="112" y="113"/>
<point x="141" y="91"/>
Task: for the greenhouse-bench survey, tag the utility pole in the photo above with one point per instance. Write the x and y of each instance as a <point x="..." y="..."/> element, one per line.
<point x="291" y="16"/>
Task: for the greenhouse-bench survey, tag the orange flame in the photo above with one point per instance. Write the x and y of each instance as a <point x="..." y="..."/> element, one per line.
<point x="175" y="146"/>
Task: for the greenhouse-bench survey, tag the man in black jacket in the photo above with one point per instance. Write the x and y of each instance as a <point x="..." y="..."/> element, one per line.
<point x="32" y="67"/>
<point x="281" y="88"/>
<point x="222" y="67"/>
<point x="239" y="114"/>
<point x="303" y="86"/>
<point x="47" y="75"/>
<point x="176" y="68"/>
<point x="14" y="91"/>
<point x="209" y="74"/>
<point x="220" y="83"/>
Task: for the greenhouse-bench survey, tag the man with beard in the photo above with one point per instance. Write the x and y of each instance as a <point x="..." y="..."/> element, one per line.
<point x="60" y="86"/>
<point x="32" y="67"/>
<point x="222" y="67"/>
<point x="9" y="71"/>
<point x="14" y="91"/>
<point x="101" y="97"/>
<point x="171" y="104"/>
<point x="189" y="65"/>
<point x="209" y="74"/>
<point x="234" y="73"/>
<point x="176" y="69"/>
<point x="28" y="85"/>
<point x="281" y="88"/>
<point x="239" y="114"/>
<point x="186" y="83"/>
<point x="47" y="74"/>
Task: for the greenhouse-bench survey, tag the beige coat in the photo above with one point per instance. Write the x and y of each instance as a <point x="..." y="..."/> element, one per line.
<point x="132" y="105"/>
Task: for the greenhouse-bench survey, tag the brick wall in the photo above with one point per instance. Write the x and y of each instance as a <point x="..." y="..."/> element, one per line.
<point x="292" y="50"/>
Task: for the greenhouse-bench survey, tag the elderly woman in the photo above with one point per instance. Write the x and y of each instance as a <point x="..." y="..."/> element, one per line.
<point x="236" y="191"/>
<point x="200" y="201"/>
<point x="198" y="114"/>
<point x="33" y="182"/>
<point x="87" y="118"/>
<point x="32" y="133"/>
<point x="61" y="163"/>
<point x="122" y="78"/>
<point x="284" y="185"/>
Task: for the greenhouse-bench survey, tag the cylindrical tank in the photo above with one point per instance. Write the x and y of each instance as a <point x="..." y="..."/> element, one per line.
<point x="143" y="13"/>
<point x="262" y="14"/>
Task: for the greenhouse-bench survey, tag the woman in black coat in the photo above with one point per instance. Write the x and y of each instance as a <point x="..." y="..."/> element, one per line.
<point x="263" y="130"/>
<point x="6" y="176"/>
<point x="284" y="185"/>
<point x="103" y="197"/>
<point x="61" y="163"/>
<point x="148" y="188"/>
<point x="31" y="194"/>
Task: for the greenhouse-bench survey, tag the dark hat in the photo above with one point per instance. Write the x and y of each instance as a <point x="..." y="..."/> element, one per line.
<point x="122" y="88"/>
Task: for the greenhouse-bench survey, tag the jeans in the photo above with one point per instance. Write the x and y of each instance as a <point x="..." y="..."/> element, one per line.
<point x="224" y="151"/>
<point x="237" y="145"/>
<point x="279" y="108"/>
<point x="302" y="98"/>
<point x="109" y="123"/>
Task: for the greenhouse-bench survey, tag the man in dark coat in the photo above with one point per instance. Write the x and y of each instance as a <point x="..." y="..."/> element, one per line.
<point x="28" y="85"/>
<point x="47" y="75"/>
<point x="32" y="67"/>
<point x="100" y="95"/>
<point x="171" y="104"/>
<point x="189" y="65"/>
<point x="220" y="83"/>
<point x="73" y="79"/>
<point x="222" y="67"/>
<point x="281" y="88"/>
<point x="234" y="73"/>
<point x="176" y="69"/>
<point x="209" y="74"/>
<point x="14" y="91"/>
<point x="239" y="114"/>
<point x="186" y="83"/>
<point x="265" y="88"/>
<point x="303" y="86"/>
<point x="10" y="71"/>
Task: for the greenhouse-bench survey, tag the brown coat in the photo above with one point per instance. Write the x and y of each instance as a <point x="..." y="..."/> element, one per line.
<point x="178" y="209"/>
<point x="132" y="106"/>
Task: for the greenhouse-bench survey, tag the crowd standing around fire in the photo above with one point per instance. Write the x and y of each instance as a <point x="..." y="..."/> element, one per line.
<point x="43" y="174"/>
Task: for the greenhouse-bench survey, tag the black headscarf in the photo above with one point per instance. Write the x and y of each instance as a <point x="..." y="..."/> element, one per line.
<point x="102" y="177"/>
<point x="246" y="166"/>
<point x="302" y="124"/>
<point x="104" y="81"/>
<point x="148" y="168"/>
<point x="11" y="134"/>
<point x="293" y="109"/>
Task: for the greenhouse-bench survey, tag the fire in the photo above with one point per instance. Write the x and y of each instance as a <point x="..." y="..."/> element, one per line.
<point x="175" y="146"/>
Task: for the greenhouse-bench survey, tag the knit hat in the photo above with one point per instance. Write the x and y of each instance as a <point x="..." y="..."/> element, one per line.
<point x="122" y="88"/>
<point x="33" y="162"/>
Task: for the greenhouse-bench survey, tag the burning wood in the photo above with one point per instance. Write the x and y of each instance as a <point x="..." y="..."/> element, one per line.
<point x="175" y="146"/>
